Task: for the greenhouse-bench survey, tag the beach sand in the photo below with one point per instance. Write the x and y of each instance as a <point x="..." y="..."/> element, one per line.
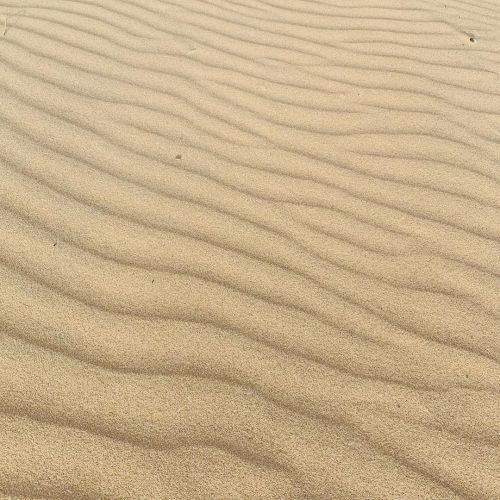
<point x="249" y="249"/>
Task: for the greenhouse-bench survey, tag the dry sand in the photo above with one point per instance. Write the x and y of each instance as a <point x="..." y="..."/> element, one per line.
<point x="249" y="249"/>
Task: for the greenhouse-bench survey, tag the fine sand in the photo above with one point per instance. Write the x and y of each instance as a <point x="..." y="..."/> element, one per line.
<point x="249" y="249"/>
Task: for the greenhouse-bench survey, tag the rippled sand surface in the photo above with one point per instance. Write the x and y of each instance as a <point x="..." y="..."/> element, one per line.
<point x="249" y="249"/>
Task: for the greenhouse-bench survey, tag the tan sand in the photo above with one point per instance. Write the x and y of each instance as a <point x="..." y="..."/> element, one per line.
<point x="249" y="249"/>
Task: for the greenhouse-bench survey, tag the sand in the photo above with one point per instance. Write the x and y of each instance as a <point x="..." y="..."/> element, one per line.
<point x="249" y="249"/>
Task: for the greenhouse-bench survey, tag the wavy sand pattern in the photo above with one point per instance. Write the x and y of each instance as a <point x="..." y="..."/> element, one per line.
<point x="249" y="249"/>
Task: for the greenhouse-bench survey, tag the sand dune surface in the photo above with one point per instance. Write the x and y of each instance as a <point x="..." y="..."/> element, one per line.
<point x="249" y="249"/>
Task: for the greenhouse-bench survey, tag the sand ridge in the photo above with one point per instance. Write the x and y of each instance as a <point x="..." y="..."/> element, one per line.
<point x="249" y="249"/>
